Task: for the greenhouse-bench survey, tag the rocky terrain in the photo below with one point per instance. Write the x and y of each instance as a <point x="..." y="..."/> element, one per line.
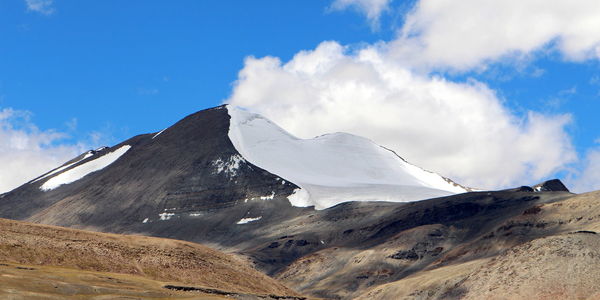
<point x="550" y="251"/>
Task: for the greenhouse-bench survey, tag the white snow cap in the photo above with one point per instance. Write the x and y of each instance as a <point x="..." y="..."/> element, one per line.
<point x="332" y="168"/>
<point x="81" y="171"/>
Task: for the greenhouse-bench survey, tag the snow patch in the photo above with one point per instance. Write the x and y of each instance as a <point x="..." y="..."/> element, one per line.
<point x="81" y="171"/>
<point x="145" y="221"/>
<point x="87" y="155"/>
<point x="332" y="168"/>
<point x="165" y="216"/>
<point x="229" y="166"/>
<point x="300" y="198"/>
<point x="248" y="220"/>
<point x="270" y="197"/>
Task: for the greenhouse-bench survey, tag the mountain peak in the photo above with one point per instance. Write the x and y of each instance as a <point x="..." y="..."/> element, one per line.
<point x="553" y="185"/>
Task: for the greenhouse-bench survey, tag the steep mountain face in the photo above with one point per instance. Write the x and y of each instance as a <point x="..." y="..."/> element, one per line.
<point x="186" y="170"/>
<point x="235" y="181"/>
<point x="213" y="160"/>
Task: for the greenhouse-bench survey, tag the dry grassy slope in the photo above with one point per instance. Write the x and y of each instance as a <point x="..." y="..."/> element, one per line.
<point x="551" y="251"/>
<point x="25" y="282"/>
<point x="153" y="258"/>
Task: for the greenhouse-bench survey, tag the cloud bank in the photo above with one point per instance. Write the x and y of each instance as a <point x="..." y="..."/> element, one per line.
<point x="461" y="130"/>
<point x="468" y="34"/>
<point x="588" y="178"/>
<point x="26" y="151"/>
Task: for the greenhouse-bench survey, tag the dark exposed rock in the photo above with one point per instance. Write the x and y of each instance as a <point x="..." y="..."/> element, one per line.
<point x="520" y="189"/>
<point x="436" y="251"/>
<point x="532" y="210"/>
<point x="586" y="231"/>
<point x="234" y="295"/>
<point x="554" y="185"/>
<point x="301" y="243"/>
<point x="406" y="254"/>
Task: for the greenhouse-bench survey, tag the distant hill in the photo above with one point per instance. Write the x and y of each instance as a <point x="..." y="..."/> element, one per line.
<point x="550" y="251"/>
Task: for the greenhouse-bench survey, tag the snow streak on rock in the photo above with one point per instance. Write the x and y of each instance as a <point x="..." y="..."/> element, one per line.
<point x="87" y="154"/>
<point x="81" y="171"/>
<point x="248" y="220"/>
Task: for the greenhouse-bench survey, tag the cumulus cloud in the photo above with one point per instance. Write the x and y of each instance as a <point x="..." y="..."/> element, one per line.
<point x="588" y="179"/>
<point x="40" y="6"/>
<point x="371" y="8"/>
<point x="26" y="151"/>
<point x="467" y="34"/>
<point x="459" y="129"/>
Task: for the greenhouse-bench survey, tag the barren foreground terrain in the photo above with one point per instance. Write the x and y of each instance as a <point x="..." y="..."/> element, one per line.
<point x="49" y="262"/>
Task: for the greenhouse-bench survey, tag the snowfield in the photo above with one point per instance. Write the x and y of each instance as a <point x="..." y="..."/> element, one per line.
<point x="332" y="168"/>
<point x="81" y="171"/>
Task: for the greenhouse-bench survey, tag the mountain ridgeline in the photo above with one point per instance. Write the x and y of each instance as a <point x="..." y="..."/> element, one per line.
<point x="181" y="171"/>
<point x="336" y="216"/>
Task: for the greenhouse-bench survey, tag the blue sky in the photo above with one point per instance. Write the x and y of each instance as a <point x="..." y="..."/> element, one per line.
<point x="129" y="67"/>
<point x="80" y="74"/>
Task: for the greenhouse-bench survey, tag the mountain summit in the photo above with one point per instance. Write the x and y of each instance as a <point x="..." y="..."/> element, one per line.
<point x="218" y="158"/>
<point x="309" y="212"/>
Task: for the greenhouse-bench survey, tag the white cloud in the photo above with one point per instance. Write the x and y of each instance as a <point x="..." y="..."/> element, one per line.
<point x="371" y="8"/>
<point x="26" y="151"/>
<point x="462" y="130"/>
<point x="589" y="177"/>
<point x="467" y="34"/>
<point x="40" y="6"/>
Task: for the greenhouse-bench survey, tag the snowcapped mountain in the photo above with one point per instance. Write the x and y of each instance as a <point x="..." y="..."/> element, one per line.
<point x="229" y="155"/>
<point x="333" y="168"/>
<point x="332" y="216"/>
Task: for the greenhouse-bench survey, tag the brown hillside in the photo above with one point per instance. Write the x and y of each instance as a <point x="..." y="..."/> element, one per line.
<point x="152" y="258"/>
<point x="550" y="251"/>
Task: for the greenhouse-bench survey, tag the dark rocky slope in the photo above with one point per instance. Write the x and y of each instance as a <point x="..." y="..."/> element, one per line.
<point x="176" y="173"/>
